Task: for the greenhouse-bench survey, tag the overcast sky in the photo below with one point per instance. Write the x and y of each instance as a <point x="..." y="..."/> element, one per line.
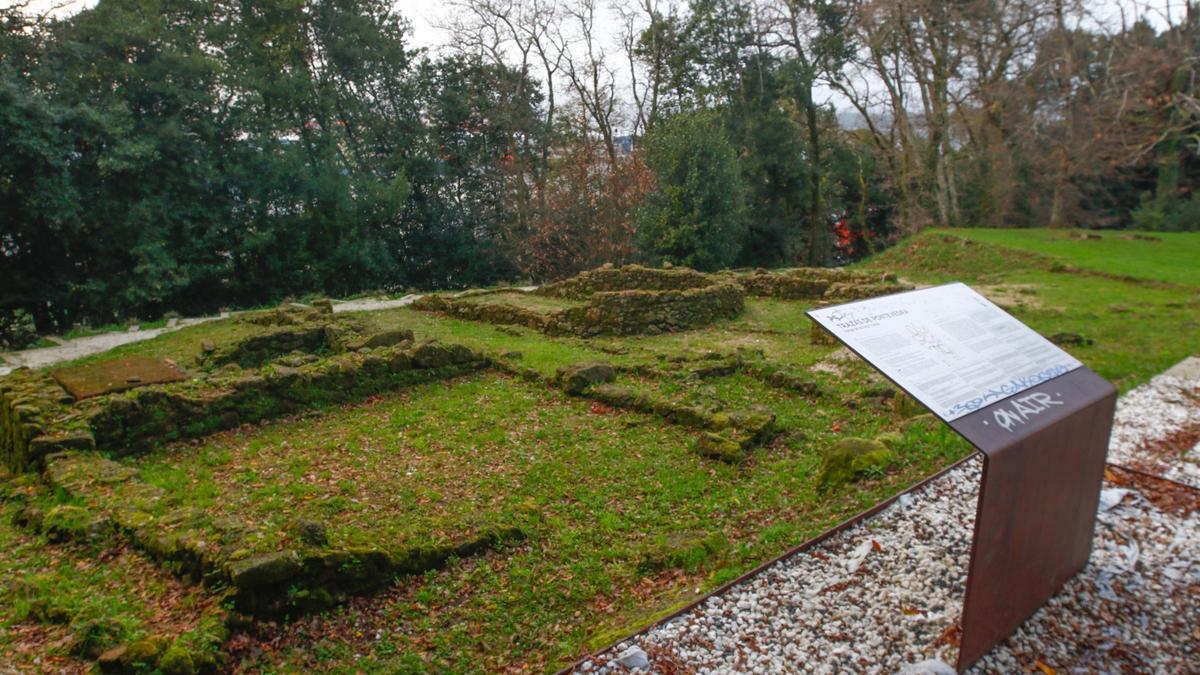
<point x="427" y="15"/>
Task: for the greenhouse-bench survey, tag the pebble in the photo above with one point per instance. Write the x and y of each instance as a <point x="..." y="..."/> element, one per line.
<point x="1166" y="404"/>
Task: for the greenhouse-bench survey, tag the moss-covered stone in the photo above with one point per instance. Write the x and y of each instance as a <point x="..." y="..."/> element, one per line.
<point x="111" y="661"/>
<point x="746" y="428"/>
<point x="631" y="300"/>
<point x="716" y="446"/>
<point x="144" y="653"/>
<point x="176" y="661"/>
<point x="891" y="439"/>
<point x="90" y="639"/>
<point x="638" y="312"/>
<point x="73" y="523"/>
<point x="906" y="406"/>
<point x="36" y="420"/>
<point x="135" y="421"/>
<point x="816" y="283"/>
<point x="311" y="532"/>
<point x="265" y="569"/>
<point x="852" y="458"/>
<point x="576" y="378"/>
<point x="387" y="338"/>
<point x="608" y="279"/>
<point x="680" y="550"/>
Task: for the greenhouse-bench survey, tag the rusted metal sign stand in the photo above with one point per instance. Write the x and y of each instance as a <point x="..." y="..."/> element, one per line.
<point x="1044" y="449"/>
<point x="1037" y="502"/>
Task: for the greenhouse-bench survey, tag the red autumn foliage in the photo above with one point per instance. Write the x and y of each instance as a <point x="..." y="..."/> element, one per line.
<point x="585" y="213"/>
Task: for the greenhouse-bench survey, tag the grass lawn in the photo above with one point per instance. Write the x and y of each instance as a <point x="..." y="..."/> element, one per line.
<point x="428" y="465"/>
<point x="599" y="490"/>
<point x="63" y="603"/>
<point x="1172" y="257"/>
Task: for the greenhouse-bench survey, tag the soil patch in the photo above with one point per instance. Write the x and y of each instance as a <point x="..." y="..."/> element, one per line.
<point x="119" y="375"/>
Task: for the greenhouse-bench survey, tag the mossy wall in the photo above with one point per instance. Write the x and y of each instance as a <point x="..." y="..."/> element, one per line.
<point x="221" y="554"/>
<point x="639" y="312"/>
<point x="35" y="420"/>
<point x="630" y="300"/>
<point x="817" y="283"/>
<point x="493" y="313"/>
<point x="136" y="420"/>
<point x="610" y="279"/>
<point x="43" y="430"/>
<point x="306" y="331"/>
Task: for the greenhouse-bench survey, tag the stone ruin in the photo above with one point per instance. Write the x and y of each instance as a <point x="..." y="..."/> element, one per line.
<point x="629" y="300"/>
<point x="637" y="300"/>
<point x="819" y="284"/>
<point x="297" y="329"/>
<point x="71" y="441"/>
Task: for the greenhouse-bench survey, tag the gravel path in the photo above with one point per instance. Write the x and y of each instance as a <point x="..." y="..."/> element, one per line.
<point x="885" y="595"/>
<point x="69" y="350"/>
<point x="1157" y="427"/>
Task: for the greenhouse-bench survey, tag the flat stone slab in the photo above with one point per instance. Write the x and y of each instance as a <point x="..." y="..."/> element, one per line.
<point x="113" y="376"/>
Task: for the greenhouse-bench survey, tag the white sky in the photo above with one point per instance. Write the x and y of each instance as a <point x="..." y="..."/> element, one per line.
<point x="426" y="15"/>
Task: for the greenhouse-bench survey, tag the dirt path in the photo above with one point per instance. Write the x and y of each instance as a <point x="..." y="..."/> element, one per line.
<point x="68" y="350"/>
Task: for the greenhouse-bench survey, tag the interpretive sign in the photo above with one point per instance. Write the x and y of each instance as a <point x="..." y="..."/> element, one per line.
<point x="948" y="346"/>
<point x="1040" y="418"/>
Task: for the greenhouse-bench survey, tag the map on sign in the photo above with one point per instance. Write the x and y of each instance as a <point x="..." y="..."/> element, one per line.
<point x="948" y="346"/>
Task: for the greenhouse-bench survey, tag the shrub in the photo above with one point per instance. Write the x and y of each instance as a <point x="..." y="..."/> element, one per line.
<point x="695" y="215"/>
<point x="17" y="330"/>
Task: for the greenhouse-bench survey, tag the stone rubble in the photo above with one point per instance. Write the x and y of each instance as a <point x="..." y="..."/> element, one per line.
<point x="885" y="595"/>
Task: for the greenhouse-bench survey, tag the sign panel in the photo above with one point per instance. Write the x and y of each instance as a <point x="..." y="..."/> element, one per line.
<point x="948" y="346"/>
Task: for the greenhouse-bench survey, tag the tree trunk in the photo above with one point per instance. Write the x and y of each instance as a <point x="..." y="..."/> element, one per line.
<point x="818" y="249"/>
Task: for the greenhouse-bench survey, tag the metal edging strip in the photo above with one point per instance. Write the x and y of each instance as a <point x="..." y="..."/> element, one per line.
<point x="1155" y="476"/>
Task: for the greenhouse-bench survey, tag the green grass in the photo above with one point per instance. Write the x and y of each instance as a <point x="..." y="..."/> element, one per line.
<point x="425" y="466"/>
<point x="593" y="487"/>
<point x="51" y="595"/>
<point x="1172" y="257"/>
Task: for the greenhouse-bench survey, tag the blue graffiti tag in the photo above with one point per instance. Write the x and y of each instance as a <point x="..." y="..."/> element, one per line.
<point x="1013" y="386"/>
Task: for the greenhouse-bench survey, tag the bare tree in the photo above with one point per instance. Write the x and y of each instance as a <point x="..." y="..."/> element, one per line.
<point x="587" y="69"/>
<point x="645" y="29"/>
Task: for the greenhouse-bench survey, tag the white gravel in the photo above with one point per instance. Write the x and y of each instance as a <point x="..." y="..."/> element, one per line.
<point x="883" y="596"/>
<point x="1167" y="404"/>
<point x="68" y="350"/>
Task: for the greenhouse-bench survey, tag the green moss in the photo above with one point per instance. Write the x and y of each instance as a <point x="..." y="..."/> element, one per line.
<point x="681" y="550"/>
<point x="718" y="447"/>
<point x="852" y="458"/>
<point x="177" y="661"/>
<point x="65" y="522"/>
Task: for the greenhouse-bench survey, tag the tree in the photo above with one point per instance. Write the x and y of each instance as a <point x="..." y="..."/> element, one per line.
<point x="695" y="214"/>
<point x="589" y="219"/>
